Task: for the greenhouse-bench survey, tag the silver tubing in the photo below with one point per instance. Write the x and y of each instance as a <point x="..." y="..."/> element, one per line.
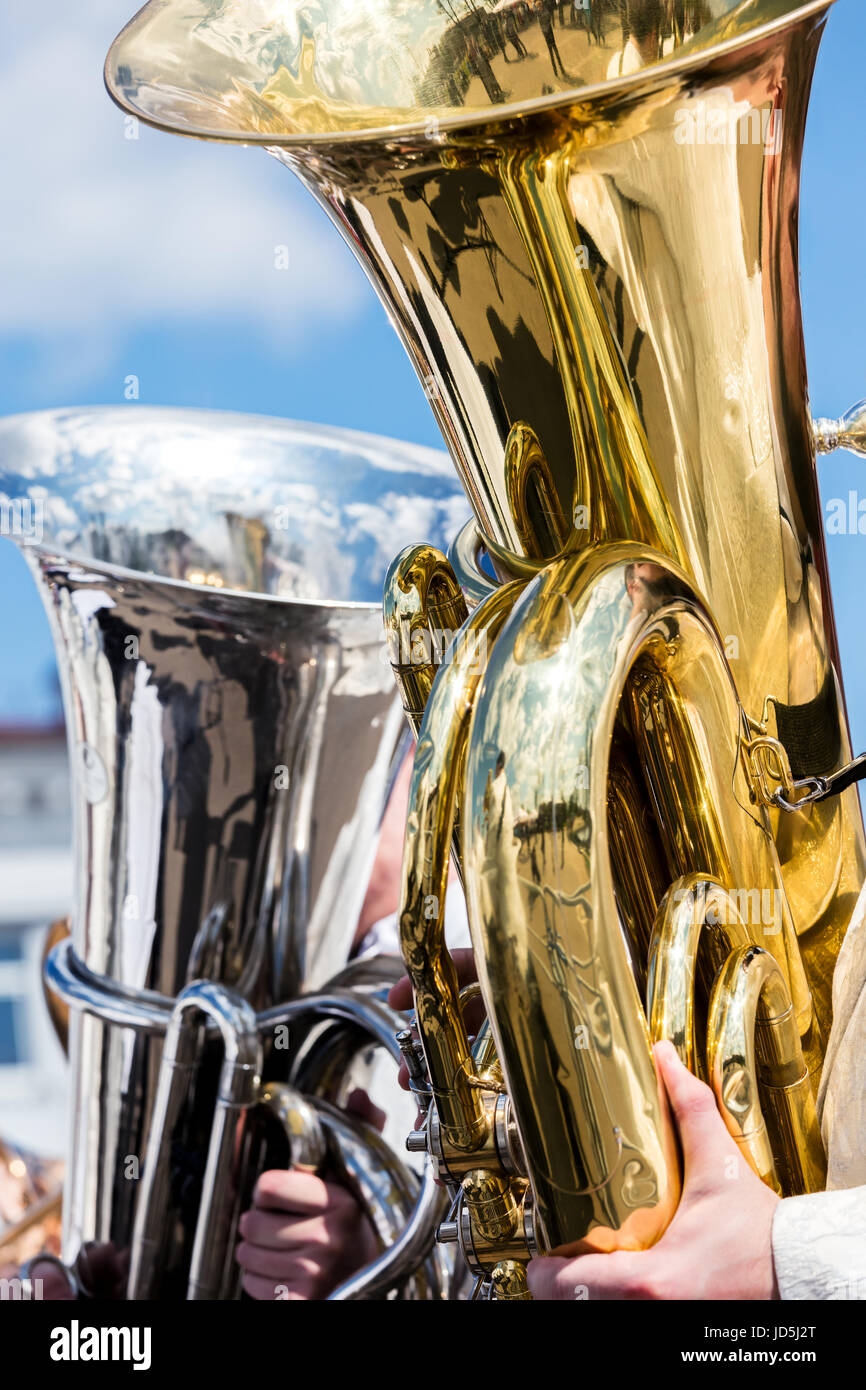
<point x="381" y="1022"/>
<point x="412" y="1251"/>
<point x="66" y="977"/>
<point x="238" y="1092"/>
<point x="25" y="1274"/>
<point x="239" y="1085"/>
<point x="405" y="1215"/>
<point x="147" y="1012"/>
<point x="301" y="1125"/>
<point x="463" y="555"/>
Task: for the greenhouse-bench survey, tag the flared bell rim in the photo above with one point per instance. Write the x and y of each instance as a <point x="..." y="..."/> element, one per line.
<point x="625" y="86"/>
<point x="153" y="493"/>
<point x="203" y="593"/>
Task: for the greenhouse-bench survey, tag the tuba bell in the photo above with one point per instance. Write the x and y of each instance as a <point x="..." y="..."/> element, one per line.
<point x="212" y="585"/>
<point x="635" y="747"/>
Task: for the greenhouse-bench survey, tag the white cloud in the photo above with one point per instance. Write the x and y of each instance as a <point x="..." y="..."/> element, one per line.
<point x="101" y="234"/>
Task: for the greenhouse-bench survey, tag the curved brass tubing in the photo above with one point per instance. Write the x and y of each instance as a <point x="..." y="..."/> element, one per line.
<point x="58" y="1011"/>
<point x="531" y="493"/>
<point x="615" y="627"/>
<point x="701" y="940"/>
<point x="616" y="478"/>
<point x="423" y="608"/>
<point x="696" y="914"/>
<point x="754" y="1055"/>
<point x="436" y="781"/>
<point x="637" y="856"/>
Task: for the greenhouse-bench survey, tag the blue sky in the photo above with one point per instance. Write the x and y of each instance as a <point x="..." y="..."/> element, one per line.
<point x="155" y="257"/>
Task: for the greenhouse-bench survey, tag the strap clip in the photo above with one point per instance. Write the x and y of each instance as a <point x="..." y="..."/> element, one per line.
<point x="772" y="784"/>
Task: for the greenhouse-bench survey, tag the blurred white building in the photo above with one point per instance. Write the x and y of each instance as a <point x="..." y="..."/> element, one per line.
<point x="35" y="889"/>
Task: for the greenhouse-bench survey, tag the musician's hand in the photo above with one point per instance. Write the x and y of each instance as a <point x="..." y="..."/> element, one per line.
<point x="51" y="1287"/>
<point x="400" y="995"/>
<point x="301" y="1237"/>
<point x="99" y="1270"/>
<point x="718" y="1245"/>
<point x="102" y="1271"/>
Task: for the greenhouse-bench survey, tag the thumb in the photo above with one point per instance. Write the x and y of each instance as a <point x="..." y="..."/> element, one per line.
<point x="612" y="1275"/>
<point x="706" y="1143"/>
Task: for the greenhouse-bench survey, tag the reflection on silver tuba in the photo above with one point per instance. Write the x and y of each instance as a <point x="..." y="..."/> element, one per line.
<point x="212" y="583"/>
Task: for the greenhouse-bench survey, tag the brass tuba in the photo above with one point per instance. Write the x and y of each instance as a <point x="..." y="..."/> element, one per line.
<point x="636" y="745"/>
<point x="212" y="584"/>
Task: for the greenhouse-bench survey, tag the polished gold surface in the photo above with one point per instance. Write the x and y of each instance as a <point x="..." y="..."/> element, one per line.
<point x="573" y="1038"/>
<point x="436" y="782"/>
<point x="759" y="1074"/>
<point x="610" y="271"/>
<point x="849" y="432"/>
<point x="703" y="950"/>
<point x="589" y="250"/>
<point x="464" y="1121"/>
<point x="695" y="913"/>
<point x="637" y="855"/>
<point x="267" y="70"/>
<point x="423" y="610"/>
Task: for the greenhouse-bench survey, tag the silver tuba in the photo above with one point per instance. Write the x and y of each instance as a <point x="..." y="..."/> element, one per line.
<point x="213" y="583"/>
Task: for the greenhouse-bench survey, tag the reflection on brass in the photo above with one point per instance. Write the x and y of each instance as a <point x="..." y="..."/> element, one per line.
<point x="589" y="250"/>
<point x="849" y="432"/>
<point x="756" y="1065"/>
<point x="432" y="804"/>
<point x="531" y="494"/>
<point x="637" y="856"/>
<point x="266" y="71"/>
<point x="701" y="943"/>
<point x="508" y="1278"/>
<point x="58" y="1011"/>
<point x="423" y="609"/>
<point x="696" y="915"/>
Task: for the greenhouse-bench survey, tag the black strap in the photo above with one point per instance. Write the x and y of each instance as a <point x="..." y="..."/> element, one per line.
<point x="812" y="732"/>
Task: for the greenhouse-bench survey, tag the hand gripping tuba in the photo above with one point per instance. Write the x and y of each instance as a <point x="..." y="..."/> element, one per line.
<point x="594" y="268"/>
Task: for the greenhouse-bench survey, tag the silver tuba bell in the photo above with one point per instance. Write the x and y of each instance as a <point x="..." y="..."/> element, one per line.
<point x="213" y="584"/>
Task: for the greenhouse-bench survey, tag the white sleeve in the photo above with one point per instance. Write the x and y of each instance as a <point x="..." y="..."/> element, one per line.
<point x="819" y="1245"/>
<point x="383" y="938"/>
<point x="819" y="1241"/>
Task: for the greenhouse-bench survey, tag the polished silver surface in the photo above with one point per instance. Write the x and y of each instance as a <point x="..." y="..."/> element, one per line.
<point x="408" y="1248"/>
<point x="213" y="585"/>
<point x="234" y="501"/>
<point x="212" y="1271"/>
<point x="352" y="997"/>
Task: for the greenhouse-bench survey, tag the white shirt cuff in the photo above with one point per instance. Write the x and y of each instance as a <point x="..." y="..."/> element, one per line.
<point x="819" y="1245"/>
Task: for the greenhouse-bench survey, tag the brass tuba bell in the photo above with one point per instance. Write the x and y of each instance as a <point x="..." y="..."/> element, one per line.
<point x="592" y="261"/>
